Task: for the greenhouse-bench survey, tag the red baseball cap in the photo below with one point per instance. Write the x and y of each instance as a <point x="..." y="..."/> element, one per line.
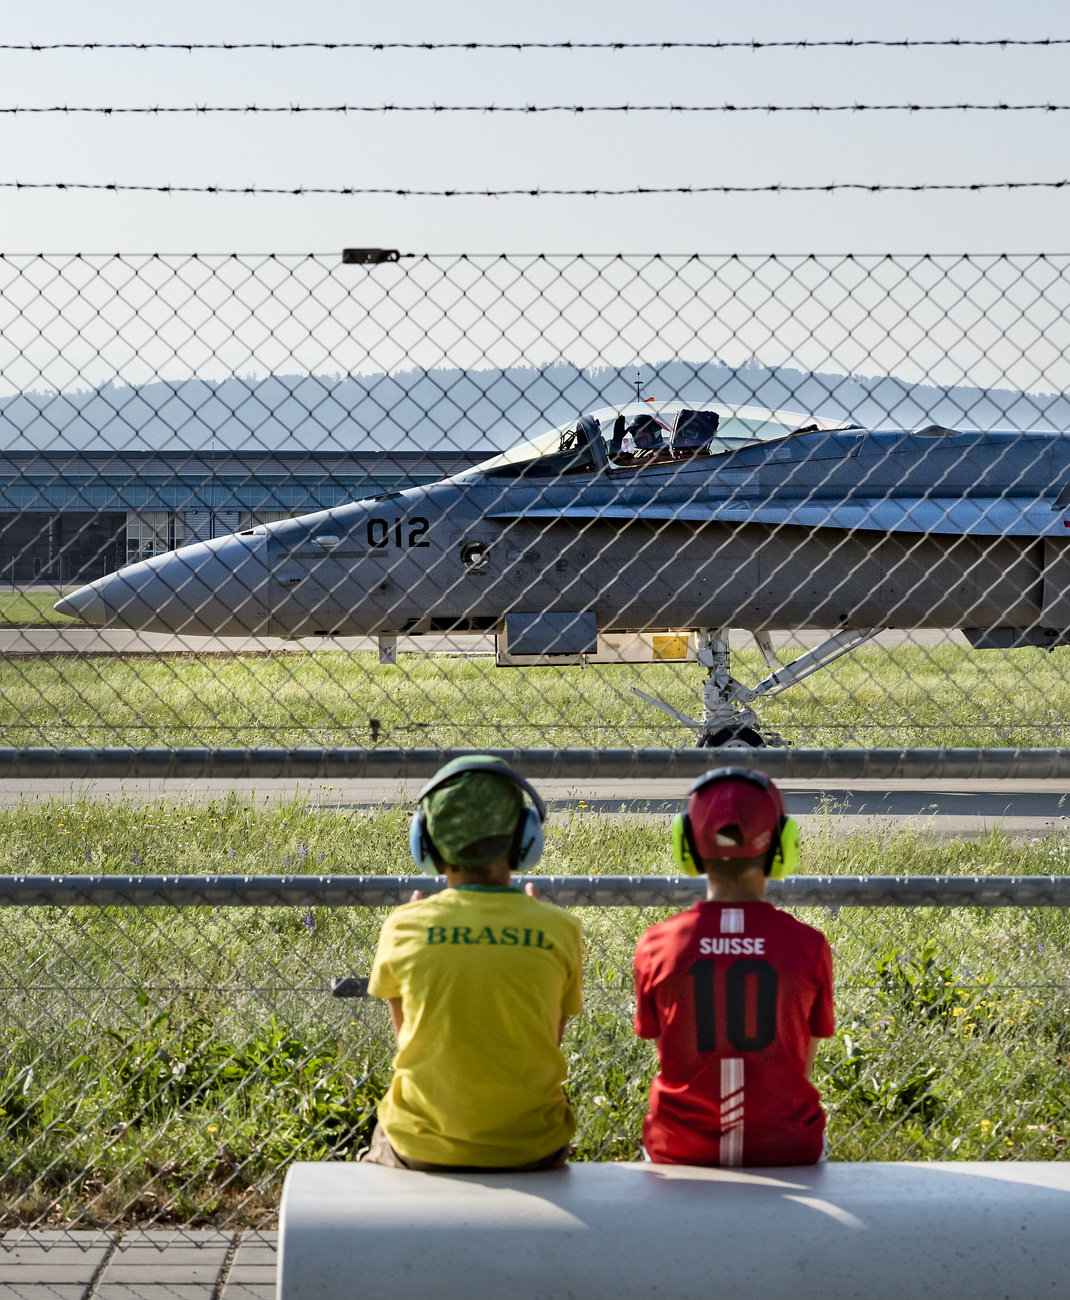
<point x="734" y="797"/>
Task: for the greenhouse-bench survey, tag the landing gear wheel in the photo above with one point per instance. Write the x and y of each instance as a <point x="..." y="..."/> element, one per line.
<point x="733" y="738"/>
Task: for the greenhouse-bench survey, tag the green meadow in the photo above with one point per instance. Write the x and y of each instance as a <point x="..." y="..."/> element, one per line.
<point x="32" y="609"/>
<point x="165" y="1065"/>
<point x="907" y="695"/>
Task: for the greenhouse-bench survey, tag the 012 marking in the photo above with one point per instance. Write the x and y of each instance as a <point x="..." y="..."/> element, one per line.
<point x="379" y="532"/>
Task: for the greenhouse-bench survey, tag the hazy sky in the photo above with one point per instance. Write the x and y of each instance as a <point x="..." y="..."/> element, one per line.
<point x="563" y="151"/>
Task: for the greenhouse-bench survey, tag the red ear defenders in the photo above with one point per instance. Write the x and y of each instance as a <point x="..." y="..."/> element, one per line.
<point x="783" y="856"/>
<point x="528" y="841"/>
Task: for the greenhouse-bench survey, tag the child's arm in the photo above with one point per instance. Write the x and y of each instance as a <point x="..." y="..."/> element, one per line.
<point x="823" y="1012"/>
<point x="811" y="1055"/>
<point x="647" y="1023"/>
<point x="397" y="1016"/>
<point x="572" y="994"/>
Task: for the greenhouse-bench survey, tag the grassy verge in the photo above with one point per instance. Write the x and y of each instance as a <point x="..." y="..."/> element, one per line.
<point x="909" y="695"/>
<point x="32" y="609"/>
<point x="166" y="1066"/>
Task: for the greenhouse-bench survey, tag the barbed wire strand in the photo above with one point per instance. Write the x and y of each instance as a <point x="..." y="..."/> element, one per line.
<point x="198" y="109"/>
<point x="191" y="46"/>
<point x="537" y="191"/>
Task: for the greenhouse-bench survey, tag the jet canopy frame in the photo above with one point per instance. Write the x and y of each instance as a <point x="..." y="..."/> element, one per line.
<point x="585" y="443"/>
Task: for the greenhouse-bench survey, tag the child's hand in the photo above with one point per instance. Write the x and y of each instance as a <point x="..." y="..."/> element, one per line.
<point x="415" y="896"/>
<point x="530" y="890"/>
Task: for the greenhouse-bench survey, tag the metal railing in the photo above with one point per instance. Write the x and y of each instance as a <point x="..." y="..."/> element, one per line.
<point x="385" y="763"/>
<point x="566" y="891"/>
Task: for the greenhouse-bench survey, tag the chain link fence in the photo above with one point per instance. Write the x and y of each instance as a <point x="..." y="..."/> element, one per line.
<point x="164" y="1064"/>
<point x="392" y="505"/>
<point x="534" y="501"/>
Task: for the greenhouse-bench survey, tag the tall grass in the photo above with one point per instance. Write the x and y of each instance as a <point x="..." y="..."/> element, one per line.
<point x="165" y="1065"/>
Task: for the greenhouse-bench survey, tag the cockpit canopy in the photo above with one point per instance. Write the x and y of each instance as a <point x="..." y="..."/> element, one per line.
<point x="642" y="435"/>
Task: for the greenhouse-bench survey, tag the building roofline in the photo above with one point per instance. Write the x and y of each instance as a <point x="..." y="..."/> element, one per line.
<point x="378" y="455"/>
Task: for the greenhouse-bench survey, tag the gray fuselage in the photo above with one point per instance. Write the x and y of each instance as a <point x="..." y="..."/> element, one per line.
<point x="850" y="529"/>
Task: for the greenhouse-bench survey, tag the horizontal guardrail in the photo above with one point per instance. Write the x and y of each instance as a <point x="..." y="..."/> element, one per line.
<point x="618" y="764"/>
<point x="568" y="891"/>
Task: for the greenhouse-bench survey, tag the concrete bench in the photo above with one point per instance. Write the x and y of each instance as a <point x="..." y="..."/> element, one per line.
<point x="640" y="1231"/>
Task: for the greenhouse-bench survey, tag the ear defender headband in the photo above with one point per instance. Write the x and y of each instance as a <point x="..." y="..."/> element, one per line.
<point x="528" y="839"/>
<point x="783" y="856"/>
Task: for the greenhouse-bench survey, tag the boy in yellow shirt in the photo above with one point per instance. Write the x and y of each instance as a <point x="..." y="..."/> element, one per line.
<point x="481" y="979"/>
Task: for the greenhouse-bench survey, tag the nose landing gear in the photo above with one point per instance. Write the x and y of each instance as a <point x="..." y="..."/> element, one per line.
<point x="728" y="721"/>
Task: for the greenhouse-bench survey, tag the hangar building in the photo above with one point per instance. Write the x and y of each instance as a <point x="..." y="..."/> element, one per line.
<point x="68" y="517"/>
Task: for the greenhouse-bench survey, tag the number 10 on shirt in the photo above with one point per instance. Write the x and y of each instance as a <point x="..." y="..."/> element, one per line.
<point x="749" y="1001"/>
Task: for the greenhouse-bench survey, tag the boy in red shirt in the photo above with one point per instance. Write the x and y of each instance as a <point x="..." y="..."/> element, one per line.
<point x="735" y="993"/>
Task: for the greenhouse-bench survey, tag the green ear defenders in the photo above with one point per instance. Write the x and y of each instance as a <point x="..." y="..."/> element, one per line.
<point x="528" y="841"/>
<point x="783" y="855"/>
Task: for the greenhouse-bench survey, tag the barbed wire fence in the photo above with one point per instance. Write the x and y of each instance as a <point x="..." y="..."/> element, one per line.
<point x="119" y="111"/>
<point x="377" y="46"/>
<point x="151" y="110"/>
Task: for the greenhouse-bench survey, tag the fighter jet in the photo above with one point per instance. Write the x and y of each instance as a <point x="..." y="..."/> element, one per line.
<point x="644" y="532"/>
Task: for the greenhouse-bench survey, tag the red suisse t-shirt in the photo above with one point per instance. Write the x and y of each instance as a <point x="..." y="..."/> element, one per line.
<point x="733" y="992"/>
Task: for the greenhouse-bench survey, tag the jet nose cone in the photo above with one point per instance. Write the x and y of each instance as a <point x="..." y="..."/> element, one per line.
<point x="216" y="588"/>
<point x="86" y="603"/>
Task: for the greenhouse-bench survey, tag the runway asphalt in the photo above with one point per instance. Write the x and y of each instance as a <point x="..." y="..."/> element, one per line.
<point x="946" y="808"/>
<point x="77" y="639"/>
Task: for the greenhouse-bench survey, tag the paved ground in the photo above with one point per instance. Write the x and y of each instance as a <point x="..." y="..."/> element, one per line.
<point x="945" y="807"/>
<point x="161" y="1264"/>
<point x="78" y="639"/>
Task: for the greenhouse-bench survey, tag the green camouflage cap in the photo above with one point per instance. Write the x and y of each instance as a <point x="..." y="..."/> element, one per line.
<point x="472" y="820"/>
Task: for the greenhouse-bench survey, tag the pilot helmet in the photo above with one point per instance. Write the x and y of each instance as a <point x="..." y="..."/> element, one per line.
<point x="694" y="428"/>
<point x="645" y="432"/>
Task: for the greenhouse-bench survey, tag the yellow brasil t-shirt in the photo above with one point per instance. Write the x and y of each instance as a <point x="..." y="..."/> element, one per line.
<point x="485" y="974"/>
